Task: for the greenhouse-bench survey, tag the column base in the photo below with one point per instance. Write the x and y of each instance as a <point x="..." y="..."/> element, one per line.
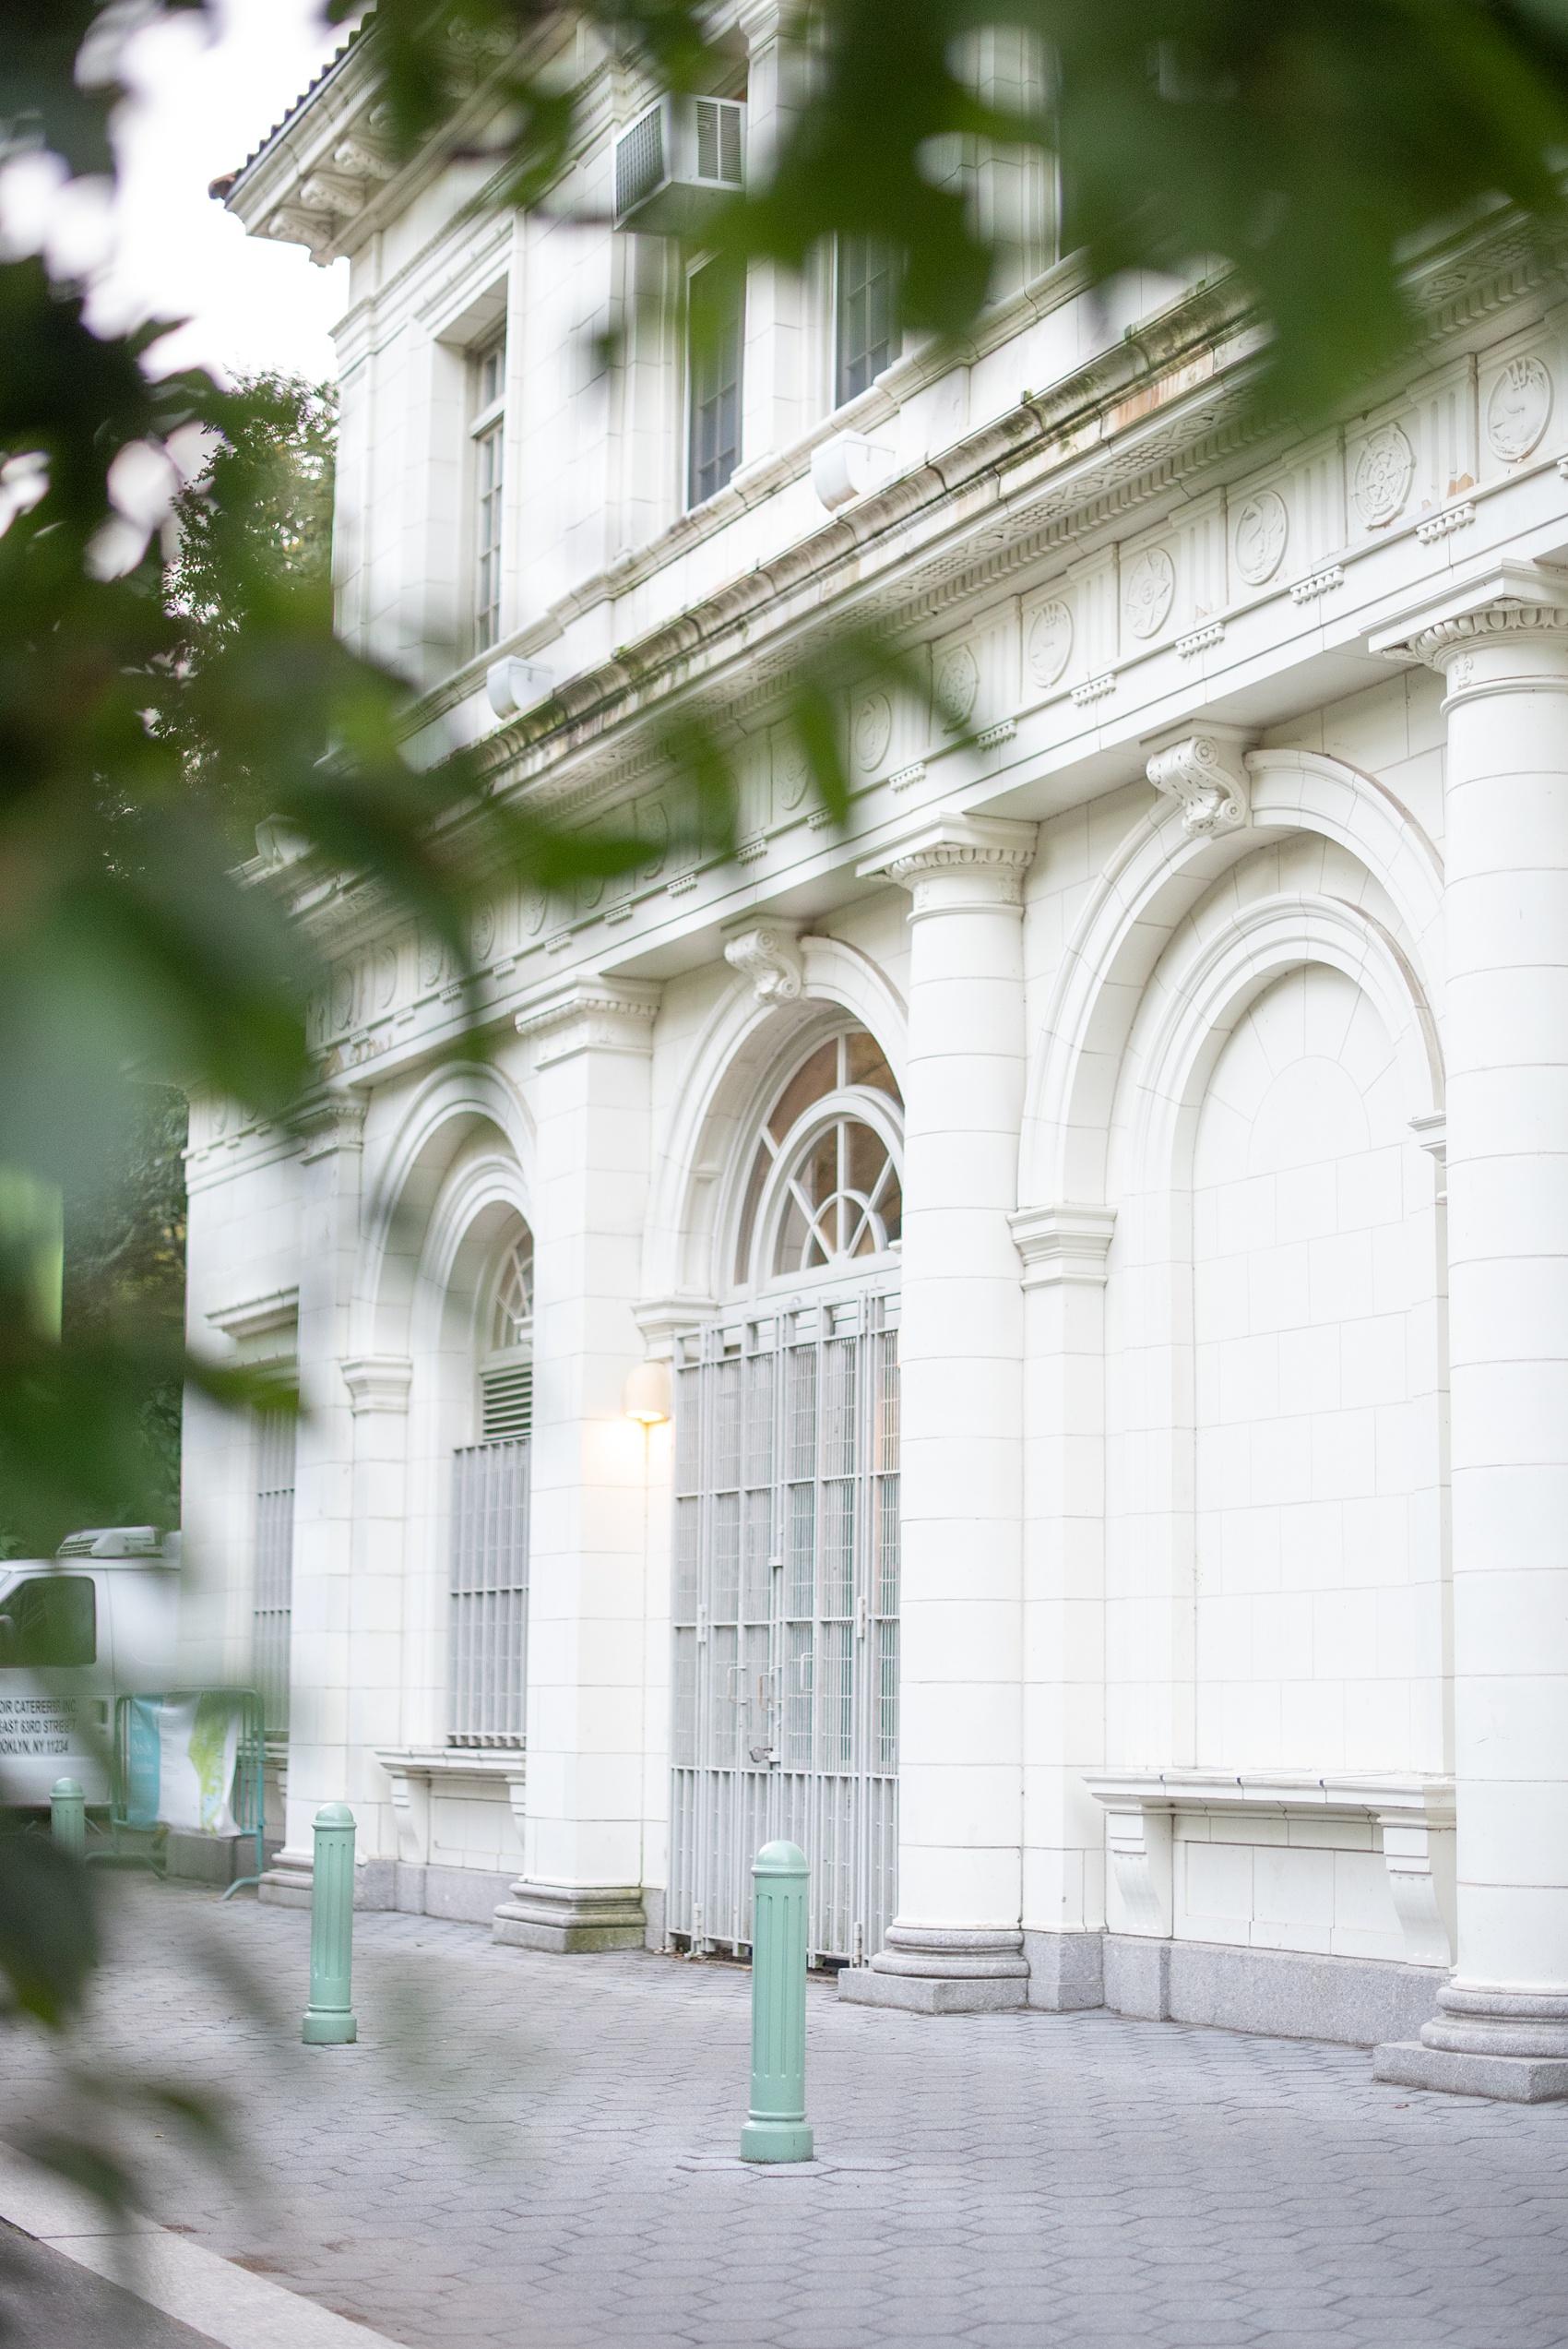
<point x="1511" y="2080"/>
<point x="777" y="2141"/>
<point x="563" y="1919"/>
<point x="1486" y="2042"/>
<point x="941" y="1970"/>
<point x="329" y="2030"/>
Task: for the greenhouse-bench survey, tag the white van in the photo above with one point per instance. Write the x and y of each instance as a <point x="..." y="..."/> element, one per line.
<point x="98" y="1619"/>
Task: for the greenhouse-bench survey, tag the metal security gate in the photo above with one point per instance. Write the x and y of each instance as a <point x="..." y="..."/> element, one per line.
<point x="489" y="1604"/>
<point x="786" y="1620"/>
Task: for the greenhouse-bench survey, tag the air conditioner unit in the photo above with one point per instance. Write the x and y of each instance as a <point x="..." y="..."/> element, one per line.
<point x="676" y="164"/>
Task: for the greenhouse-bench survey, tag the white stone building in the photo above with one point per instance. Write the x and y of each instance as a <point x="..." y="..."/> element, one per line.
<point x="1102" y="1216"/>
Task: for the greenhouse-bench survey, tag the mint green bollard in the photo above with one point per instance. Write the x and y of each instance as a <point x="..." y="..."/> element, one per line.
<point x="330" y="2019"/>
<point x="776" y="2130"/>
<point x="67" y="1817"/>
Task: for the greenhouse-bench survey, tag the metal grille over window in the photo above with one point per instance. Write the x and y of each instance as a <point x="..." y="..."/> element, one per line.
<point x="785" y="1621"/>
<point x="490" y="1594"/>
<point x="868" y="335"/>
<point x="714" y="373"/>
<point x="488" y="431"/>
<point x="272" y="1603"/>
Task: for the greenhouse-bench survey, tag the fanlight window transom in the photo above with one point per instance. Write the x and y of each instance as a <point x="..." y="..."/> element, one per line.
<point x="824" y="1188"/>
<point x="512" y="1317"/>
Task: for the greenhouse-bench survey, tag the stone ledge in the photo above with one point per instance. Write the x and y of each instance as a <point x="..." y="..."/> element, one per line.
<point x="1511" y="2080"/>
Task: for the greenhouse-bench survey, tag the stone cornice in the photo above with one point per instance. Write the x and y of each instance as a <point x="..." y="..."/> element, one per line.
<point x="261" y="1316"/>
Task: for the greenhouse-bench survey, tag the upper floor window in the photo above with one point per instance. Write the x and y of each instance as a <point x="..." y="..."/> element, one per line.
<point x="868" y="337"/>
<point x="823" y="1191"/>
<point x="713" y="371"/>
<point x="488" y="429"/>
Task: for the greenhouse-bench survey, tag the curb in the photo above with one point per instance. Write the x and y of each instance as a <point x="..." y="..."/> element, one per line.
<point x="230" y="2305"/>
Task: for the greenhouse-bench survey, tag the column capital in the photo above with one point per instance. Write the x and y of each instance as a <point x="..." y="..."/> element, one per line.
<point x="331" y="1122"/>
<point x="1516" y="602"/>
<point x="377" y="1381"/>
<point x="591" y="1015"/>
<point x="986" y="856"/>
<point x="1062" y="1244"/>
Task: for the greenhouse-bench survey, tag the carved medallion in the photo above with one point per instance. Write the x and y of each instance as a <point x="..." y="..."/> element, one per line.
<point x="532" y="907"/>
<point x="791" y="768"/>
<point x="1519" y="410"/>
<point x="1385" y="470"/>
<point x="590" y="889"/>
<point x="484" y="932"/>
<point x="653" y="826"/>
<point x="957" y="686"/>
<point x="873" y="731"/>
<point x="343" y="997"/>
<point x="1051" y="643"/>
<point x="386" y="975"/>
<point x="433" y="960"/>
<point x="1149" y="591"/>
<point x="1262" y="528"/>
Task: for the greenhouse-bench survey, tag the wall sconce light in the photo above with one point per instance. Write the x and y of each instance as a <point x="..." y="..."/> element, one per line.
<point x="648" y="1394"/>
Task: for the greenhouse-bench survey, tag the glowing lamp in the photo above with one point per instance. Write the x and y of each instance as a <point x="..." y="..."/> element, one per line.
<point x="648" y="1394"/>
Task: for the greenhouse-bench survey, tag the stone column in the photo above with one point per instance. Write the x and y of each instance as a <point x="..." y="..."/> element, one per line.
<point x="323" y="1471"/>
<point x="957" y="1943"/>
<point x="1503" y="647"/>
<point x="581" y="1883"/>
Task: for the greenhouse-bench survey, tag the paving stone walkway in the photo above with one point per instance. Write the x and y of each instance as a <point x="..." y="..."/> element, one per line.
<point x="534" y="2151"/>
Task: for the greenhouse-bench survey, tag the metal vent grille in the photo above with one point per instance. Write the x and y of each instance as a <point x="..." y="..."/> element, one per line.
<point x="719" y="141"/>
<point x="639" y="160"/>
<point x="273" y="1600"/>
<point x="508" y="1403"/>
<point x="489" y="1606"/>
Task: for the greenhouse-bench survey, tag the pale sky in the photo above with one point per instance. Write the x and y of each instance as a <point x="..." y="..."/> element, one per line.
<point x="200" y="107"/>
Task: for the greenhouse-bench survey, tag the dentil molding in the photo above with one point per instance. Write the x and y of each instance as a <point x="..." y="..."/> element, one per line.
<point x="1204" y="775"/>
<point x="765" y="953"/>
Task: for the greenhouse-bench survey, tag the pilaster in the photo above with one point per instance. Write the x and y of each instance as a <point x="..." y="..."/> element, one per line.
<point x="1063" y="1251"/>
<point x="321" y="1641"/>
<point x="584" y="1832"/>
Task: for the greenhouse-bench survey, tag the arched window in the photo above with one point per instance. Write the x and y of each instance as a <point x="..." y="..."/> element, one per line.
<point x="506" y="1372"/>
<point x="488" y="1615"/>
<point x="824" y="1188"/>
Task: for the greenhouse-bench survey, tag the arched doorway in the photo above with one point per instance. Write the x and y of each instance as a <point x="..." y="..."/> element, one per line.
<point x="785" y="1599"/>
